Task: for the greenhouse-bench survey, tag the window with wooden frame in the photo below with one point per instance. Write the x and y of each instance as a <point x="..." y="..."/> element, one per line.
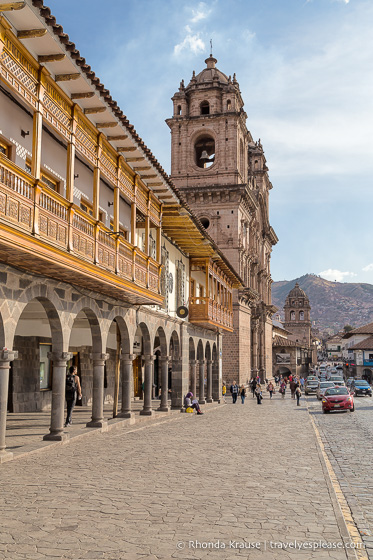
<point x="122" y="230"/>
<point x="5" y="148"/>
<point x="87" y="207"/>
<point x="49" y="180"/>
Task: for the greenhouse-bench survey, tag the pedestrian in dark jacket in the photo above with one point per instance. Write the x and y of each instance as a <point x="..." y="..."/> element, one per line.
<point x="234" y="391"/>
<point x="298" y="394"/>
<point x="253" y="386"/>
<point x="292" y="386"/>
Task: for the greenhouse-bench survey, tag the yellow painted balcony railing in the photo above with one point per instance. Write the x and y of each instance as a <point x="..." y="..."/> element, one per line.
<point x="35" y="211"/>
<point x="210" y="313"/>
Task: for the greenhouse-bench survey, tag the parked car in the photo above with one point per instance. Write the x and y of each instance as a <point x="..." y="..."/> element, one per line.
<point x="311" y="385"/>
<point x="323" y="386"/>
<point x="361" y="387"/>
<point x="337" y="398"/>
<point x="337" y="380"/>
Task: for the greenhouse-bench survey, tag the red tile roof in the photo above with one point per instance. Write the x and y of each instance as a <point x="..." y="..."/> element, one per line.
<point x="366" y="344"/>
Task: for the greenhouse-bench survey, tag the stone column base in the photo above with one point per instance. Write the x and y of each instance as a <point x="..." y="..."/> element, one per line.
<point x="5" y="456"/>
<point x="56" y="437"/>
<point x="203" y="401"/>
<point x="146" y="413"/>
<point x="164" y="409"/>
<point x="209" y="400"/>
<point x="125" y="415"/>
<point x="97" y="424"/>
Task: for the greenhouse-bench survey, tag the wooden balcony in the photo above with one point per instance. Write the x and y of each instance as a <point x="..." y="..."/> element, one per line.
<point x="43" y="233"/>
<point x="208" y="313"/>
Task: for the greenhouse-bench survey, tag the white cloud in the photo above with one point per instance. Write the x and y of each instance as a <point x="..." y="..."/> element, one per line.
<point x="202" y="12"/>
<point x="332" y="274"/>
<point x="192" y="42"/>
<point x="368" y="268"/>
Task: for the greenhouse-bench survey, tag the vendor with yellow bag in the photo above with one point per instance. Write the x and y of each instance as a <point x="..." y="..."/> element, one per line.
<point x="190" y="404"/>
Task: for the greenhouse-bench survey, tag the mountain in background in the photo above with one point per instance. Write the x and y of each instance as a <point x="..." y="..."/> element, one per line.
<point x="333" y="304"/>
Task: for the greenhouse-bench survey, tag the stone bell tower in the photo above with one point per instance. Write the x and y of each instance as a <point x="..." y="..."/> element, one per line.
<point x="222" y="174"/>
<point x="297" y="316"/>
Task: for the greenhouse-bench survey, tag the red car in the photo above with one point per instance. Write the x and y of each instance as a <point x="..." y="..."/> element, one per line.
<point x="338" y="398"/>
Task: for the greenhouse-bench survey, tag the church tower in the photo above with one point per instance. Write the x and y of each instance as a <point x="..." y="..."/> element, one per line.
<point x="222" y="173"/>
<point x="297" y="316"/>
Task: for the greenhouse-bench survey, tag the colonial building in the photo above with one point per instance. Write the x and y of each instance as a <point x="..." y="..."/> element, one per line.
<point x="223" y="175"/>
<point x="357" y="349"/>
<point x="98" y="251"/>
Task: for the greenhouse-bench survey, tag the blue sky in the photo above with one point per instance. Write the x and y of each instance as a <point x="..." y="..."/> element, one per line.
<point x="305" y="73"/>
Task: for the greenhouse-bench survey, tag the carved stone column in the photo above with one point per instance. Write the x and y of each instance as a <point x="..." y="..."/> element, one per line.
<point x="202" y="382"/>
<point x="6" y="357"/>
<point x="209" y="381"/>
<point x="127" y="380"/>
<point x="164" y="384"/>
<point x="58" y="396"/>
<point x="98" y="391"/>
<point x="148" y="386"/>
<point x="193" y="365"/>
<point x="254" y="370"/>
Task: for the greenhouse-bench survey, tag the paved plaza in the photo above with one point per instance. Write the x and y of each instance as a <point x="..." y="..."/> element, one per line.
<point x="241" y="481"/>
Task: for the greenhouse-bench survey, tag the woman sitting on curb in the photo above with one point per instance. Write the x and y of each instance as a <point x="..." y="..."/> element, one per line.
<point x="188" y="403"/>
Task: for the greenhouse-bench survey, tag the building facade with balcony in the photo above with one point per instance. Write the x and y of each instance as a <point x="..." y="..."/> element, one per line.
<point x="223" y="174"/>
<point x="99" y="253"/>
<point x="358" y="352"/>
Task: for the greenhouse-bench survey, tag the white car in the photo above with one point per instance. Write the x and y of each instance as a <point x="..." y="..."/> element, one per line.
<point x="323" y="386"/>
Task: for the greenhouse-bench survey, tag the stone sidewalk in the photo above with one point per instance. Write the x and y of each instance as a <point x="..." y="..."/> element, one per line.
<point x="242" y="481"/>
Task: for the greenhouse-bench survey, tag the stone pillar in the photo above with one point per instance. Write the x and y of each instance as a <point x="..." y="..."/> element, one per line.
<point x="148" y="386"/>
<point x="127" y="378"/>
<point x="98" y="391"/>
<point x="193" y="365"/>
<point x="6" y="357"/>
<point x="202" y="382"/>
<point x="58" y="396"/>
<point x="209" y="381"/>
<point x="262" y="371"/>
<point x="254" y="370"/>
<point x="164" y="384"/>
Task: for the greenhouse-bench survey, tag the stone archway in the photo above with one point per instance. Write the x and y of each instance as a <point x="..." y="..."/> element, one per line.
<point x="208" y="386"/>
<point x="143" y="364"/>
<point x="192" y="368"/>
<point x="201" y="372"/>
<point x="86" y="349"/>
<point x="161" y="366"/>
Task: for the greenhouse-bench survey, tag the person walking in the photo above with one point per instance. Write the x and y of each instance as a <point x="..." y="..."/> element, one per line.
<point x="301" y="383"/>
<point x="253" y="386"/>
<point x="270" y="389"/>
<point x="298" y="394"/>
<point x="72" y="390"/>
<point x="224" y="391"/>
<point x="293" y="386"/>
<point x="283" y="389"/>
<point x="243" y="394"/>
<point x="258" y="393"/>
<point x="234" y="391"/>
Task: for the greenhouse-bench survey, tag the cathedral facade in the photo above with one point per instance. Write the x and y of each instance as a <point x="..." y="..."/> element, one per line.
<point x="223" y="175"/>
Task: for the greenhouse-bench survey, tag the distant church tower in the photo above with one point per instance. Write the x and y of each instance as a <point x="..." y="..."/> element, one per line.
<point x="297" y="316"/>
<point x="222" y="173"/>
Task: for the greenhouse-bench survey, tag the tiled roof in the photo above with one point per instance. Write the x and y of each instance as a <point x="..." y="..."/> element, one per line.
<point x="365" y="329"/>
<point x="366" y="344"/>
<point x="281" y="341"/>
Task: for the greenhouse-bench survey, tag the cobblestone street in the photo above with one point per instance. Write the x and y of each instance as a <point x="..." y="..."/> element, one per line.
<point x="239" y="474"/>
<point x="348" y="440"/>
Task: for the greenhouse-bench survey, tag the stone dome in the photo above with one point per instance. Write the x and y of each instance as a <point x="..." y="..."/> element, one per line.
<point x="297" y="292"/>
<point x="211" y="73"/>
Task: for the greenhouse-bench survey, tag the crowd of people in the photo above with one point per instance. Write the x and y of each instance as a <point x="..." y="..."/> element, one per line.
<point x="280" y="384"/>
<point x="295" y="384"/>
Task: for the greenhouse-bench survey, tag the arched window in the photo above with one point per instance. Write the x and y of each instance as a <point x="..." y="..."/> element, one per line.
<point x="292" y="316"/>
<point x="205" y="108"/>
<point x="179" y="109"/>
<point x="204" y="152"/>
<point x="301" y="315"/>
<point x="229" y="105"/>
<point x="205" y="222"/>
